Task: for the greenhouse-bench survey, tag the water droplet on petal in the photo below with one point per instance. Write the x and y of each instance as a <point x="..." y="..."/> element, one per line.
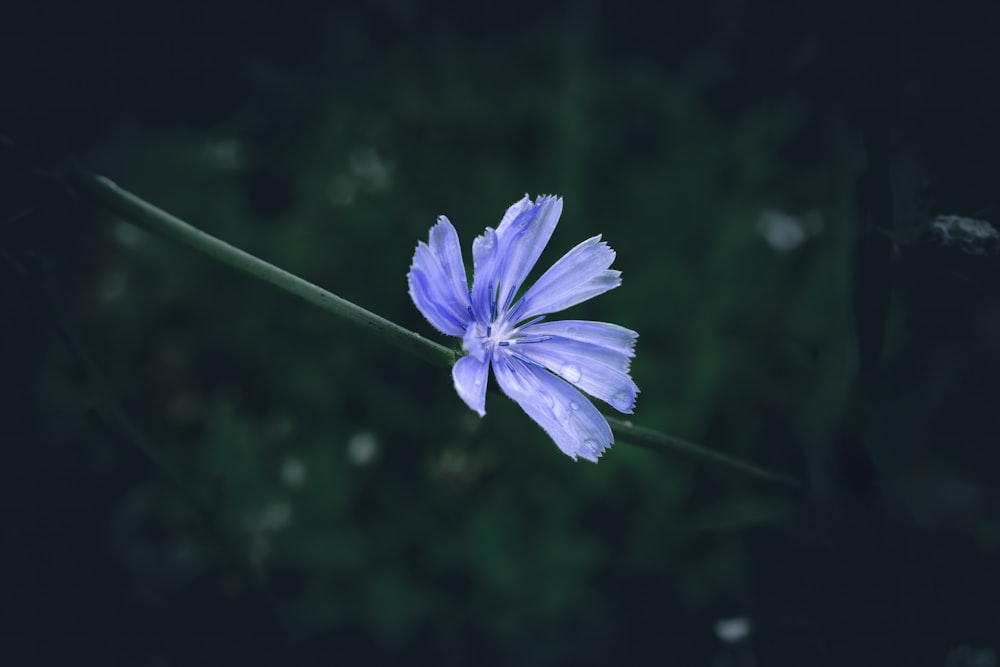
<point x="574" y="405"/>
<point x="571" y="330"/>
<point x="571" y="372"/>
<point x="622" y="400"/>
<point x="592" y="445"/>
<point x="478" y="382"/>
<point x="549" y="401"/>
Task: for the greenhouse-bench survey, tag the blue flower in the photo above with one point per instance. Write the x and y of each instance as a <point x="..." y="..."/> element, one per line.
<point x="541" y="365"/>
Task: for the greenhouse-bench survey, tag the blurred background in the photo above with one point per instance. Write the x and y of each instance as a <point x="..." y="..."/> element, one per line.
<point x="800" y="198"/>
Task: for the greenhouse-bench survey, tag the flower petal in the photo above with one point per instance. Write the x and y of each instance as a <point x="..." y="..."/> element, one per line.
<point x="436" y="305"/>
<point x="522" y="239"/>
<point x="437" y="280"/>
<point x="514" y="210"/>
<point x="572" y="421"/>
<point x="580" y="274"/>
<point x="474" y="343"/>
<point x="592" y="368"/>
<point x="446" y="247"/>
<point x="470" y="376"/>
<point x="485" y="249"/>
<point x="618" y="342"/>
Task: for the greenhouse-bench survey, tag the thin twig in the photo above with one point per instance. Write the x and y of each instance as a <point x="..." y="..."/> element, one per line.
<point x="150" y="217"/>
<point x="669" y="444"/>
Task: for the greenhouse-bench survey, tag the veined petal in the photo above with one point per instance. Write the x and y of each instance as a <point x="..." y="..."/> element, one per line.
<point x="603" y="334"/>
<point x="471" y="375"/>
<point x="485" y="249"/>
<point x="594" y="369"/>
<point x="574" y="350"/>
<point x="580" y="274"/>
<point x="514" y="210"/>
<point x="437" y="280"/>
<point x="445" y="313"/>
<point x="522" y="240"/>
<point x="572" y="421"/>
<point x="443" y="242"/>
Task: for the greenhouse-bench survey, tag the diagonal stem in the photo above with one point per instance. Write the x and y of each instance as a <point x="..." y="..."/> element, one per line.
<point x="148" y="216"/>
<point x="144" y="214"/>
<point x="647" y="438"/>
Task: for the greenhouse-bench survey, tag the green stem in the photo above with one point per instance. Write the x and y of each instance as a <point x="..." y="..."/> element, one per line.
<point x="159" y="221"/>
<point x="662" y="442"/>
<point x="154" y="219"/>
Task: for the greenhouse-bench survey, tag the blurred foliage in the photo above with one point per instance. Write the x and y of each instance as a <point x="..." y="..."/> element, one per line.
<point x="274" y="399"/>
<point x="371" y="500"/>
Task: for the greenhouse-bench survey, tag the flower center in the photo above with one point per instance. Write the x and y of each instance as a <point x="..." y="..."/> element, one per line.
<point x="483" y="339"/>
<point x="496" y="334"/>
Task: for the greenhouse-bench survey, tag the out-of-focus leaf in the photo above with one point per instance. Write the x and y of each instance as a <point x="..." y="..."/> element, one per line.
<point x="738" y="514"/>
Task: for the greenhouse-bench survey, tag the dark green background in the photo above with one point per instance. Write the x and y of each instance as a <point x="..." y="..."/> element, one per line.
<point x="389" y="523"/>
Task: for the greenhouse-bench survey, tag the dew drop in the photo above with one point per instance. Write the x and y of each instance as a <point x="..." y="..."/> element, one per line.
<point x="571" y="372"/>
<point x="478" y="382"/>
<point x="571" y="330"/>
<point x="549" y="401"/>
<point x="574" y="405"/>
<point x="592" y="445"/>
<point x="622" y="400"/>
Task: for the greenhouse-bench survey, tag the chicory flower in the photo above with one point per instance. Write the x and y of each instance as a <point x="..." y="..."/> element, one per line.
<point x="540" y="365"/>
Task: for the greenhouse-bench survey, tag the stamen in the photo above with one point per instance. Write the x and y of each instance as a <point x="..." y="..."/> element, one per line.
<point x="493" y="302"/>
<point x="512" y="315"/>
<point x="526" y="360"/>
<point x="532" y="339"/>
<point x="530" y="322"/>
<point x="510" y="297"/>
<point x="503" y="343"/>
<point x="489" y="331"/>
